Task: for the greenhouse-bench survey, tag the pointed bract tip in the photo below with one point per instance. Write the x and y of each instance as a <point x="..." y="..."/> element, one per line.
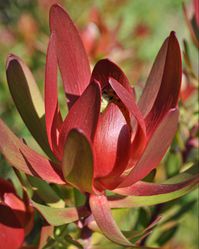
<point x="173" y="35"/>
<point x="55" y="10"/>
<point x="55" y="6"/>
<point x="11" y="58"/>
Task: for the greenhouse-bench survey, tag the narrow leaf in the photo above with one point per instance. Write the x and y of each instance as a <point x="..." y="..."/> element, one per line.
<point x="53" y="116"/>
<point x="163" y="84"/>
<point x="111" y="143"/>
<point x="45" y="192"/>
<point x="71" y="55"/>
<point x="147" y="194"/>
<point x="154" y="150"/>
<point x="28" y="100"/>
<point x="23" y="158"/>
<point x="83" y="115"/>
<point x="102" y="214"/>
<point x="60" y="216"/>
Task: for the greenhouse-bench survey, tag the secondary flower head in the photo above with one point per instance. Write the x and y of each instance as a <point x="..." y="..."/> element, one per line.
<point x="16" y="219"/>
<point x="93" y="148"/>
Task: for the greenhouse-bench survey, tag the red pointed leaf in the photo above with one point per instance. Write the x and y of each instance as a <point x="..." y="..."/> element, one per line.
<point x="103" y="217"/>
<point x="148" y="189"/>
<point x="104" y="69"/>
<point x="128" y="101"/>
<point x="23" y="158"/>
<point x="83" y="115"/>
<point x="155" y="149"/>
<point x="147" y="194"/>
<point x="102" y="214"/>
<point x="111" y="143"/>
<point x="53" y="116"/>
<point x="137" y="123"/>
<point x="163" y="84"/>
<point x="71" y="55"/>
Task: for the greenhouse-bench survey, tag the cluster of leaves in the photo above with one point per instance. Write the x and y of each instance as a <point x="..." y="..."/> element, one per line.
<point x="65" y="220"/>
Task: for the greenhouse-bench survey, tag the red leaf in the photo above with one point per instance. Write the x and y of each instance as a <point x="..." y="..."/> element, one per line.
<point x="148" y="189"/>
<point x="23" y="158"/>
<point x="104" y="69"/>
<point x="52" y="113"/>
<point x="127" y="100"/>
<point x="147" y="194"/>
<point x="102" y="214"/>
<point x="154" y="150"/>
<point x="168" y="85"/>
<point x="83" y="115"/>
<point x="111" y="143"/>
<point x="163" y="84"/>
<point x="137" y="124"/>
<point x="71" y="55"/>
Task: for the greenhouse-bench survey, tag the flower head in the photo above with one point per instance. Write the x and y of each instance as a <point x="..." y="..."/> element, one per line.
<point x="94" y="149"/>
<point x="16" y="218"/>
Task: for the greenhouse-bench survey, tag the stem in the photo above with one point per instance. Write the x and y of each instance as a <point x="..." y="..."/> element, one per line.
<point x="154" y="216"/>
<point x="86" y="232"/>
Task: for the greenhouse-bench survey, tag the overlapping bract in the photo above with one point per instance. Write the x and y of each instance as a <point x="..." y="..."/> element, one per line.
<point x="92" y="150"/>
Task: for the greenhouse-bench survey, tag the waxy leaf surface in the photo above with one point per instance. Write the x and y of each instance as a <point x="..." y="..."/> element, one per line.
<point x="77" y="164"/>
<point x="23" y="158"/>
<point x="53" y="116"/>
<point x="71" y="55"/>
<point x="27" y="98"/>
<point x="147" y="194"/>
<point x="60" y="216"/>
<point x="155" y="149"/>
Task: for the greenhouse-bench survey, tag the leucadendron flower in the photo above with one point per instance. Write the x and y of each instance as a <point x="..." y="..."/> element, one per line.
<point x="16" y="219"/>
<point x="96" y="149"/>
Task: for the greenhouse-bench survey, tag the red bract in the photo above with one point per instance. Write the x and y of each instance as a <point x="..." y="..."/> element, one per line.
<point x="90" y="149"/>
<point x="16" y="219"/>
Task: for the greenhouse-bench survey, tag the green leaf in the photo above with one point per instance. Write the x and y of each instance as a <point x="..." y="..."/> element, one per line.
<point x="177" y="186"/>
<point x="60" y="216"/>
<point x="78" y="161"/>
<point x="46" y="192"/>
<point x="28" y="100"/>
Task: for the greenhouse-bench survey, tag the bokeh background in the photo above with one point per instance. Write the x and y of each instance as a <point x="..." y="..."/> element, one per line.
<point x="129" y="32"/>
